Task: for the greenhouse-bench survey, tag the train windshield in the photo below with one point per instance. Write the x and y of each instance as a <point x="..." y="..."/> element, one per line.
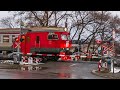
<point x="53" y="36"/>
<point x="68" y="36"/>
<point x="65" y="37"/>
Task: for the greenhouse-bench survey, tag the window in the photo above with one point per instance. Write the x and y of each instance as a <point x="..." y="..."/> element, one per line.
<point x="52" y="36"/>
<point x="68" y="36"/>
<point x="13" y="38"/>
<point x="55" y="36"/>
<point x="64" y="37"/>
<point x="49" y="36"/>
<point x="37" y="39"/>
<point x="5" y="38"/>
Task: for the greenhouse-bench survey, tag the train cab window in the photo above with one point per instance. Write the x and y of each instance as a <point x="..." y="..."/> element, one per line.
<point x="37" y="39"/>
<point x="68" y="36"/>
<point x="52" y="36"/>
<point x="63" y="37"/>
<point x="55" y="36"/>
<point x="5" y="38"/>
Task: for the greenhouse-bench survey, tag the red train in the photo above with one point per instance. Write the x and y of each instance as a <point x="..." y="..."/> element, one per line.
<point x="46" y="42"/>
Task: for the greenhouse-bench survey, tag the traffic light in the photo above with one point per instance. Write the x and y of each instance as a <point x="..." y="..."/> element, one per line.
<point x="22" y="38"/>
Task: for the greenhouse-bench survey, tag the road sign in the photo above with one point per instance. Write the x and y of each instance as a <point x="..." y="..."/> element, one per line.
<point x="107" y="48"/>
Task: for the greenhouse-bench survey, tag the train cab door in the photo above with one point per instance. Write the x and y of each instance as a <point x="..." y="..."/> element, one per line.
<point x="37" y="41"/>
<point x="27" y="44"/>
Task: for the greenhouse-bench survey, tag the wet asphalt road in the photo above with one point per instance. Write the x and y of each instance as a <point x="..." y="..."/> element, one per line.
<point x="51" y="70"/>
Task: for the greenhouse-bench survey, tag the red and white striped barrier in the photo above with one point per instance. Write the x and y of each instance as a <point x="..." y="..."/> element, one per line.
<point x="69" y="57"/>
<point x="29" y="60"/>
<point x="64" y="57"/>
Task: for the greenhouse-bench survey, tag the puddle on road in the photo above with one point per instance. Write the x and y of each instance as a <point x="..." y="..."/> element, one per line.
<point x="65" y="75"/>
<point x="32" y="68"/>
<point x="23" y="67"/>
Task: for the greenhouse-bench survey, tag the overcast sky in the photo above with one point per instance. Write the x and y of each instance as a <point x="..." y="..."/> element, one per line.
<point x="115" y="13"/>
<point x="5" y="13"/>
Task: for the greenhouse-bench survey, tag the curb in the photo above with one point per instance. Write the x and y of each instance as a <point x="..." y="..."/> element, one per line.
<point x="98" y="74"/>
<point x="105" y="75"/>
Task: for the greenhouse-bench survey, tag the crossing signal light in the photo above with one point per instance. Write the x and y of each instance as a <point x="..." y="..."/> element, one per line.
<point x="22" y="38"/>
<point x="16" y="40"/>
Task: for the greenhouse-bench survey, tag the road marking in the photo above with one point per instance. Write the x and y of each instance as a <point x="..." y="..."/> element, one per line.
<point x="72" y="65"/>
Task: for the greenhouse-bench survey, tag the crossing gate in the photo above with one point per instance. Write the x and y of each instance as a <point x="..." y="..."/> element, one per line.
<point x="70" y="58"/>
<point x="30" y="60"/>
<point x="109" y="48"/>
<point x="89" y="55"/>
<point x="17" y="44"/>
<point x="64" y="57"/>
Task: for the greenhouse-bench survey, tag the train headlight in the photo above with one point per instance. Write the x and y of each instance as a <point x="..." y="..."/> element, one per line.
<point x="65" y="29"/>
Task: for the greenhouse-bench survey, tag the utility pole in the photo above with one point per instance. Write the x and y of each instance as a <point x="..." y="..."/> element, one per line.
<point x="55" y="12"/>
<point x="79" y="46"/>
<point x="102" y="54"/>
<point x="18" y="49"/>
<point x="46" y="15"/>
<point x="113" y="34"/>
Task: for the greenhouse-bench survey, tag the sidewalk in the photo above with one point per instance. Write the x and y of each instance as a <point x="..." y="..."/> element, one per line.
<point x="108" y="75"/>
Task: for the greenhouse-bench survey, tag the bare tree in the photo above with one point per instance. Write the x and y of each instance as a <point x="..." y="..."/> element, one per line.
<point x="8" y="22"/>
<point x="86" y="25"/>
<point x="42" y="18"/>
